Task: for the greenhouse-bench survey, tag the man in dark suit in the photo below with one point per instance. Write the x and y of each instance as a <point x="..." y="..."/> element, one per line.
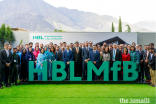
<point x="141" y="73"/>
<point x="77" y="51"/>
<point x="145" y="61"/>
<point x="151" y="65"/>
<point x="94" y="56"/>
<point x="115" y="56"/>
<point x="152" y="46"/>
<point x="67" y="57"/>
<point x="60" y="57"/>
<point x="85" y="59"/>
<point x="6" y="61"/>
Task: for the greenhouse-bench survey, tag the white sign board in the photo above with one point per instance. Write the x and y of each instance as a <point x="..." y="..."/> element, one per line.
<point x="72" y="37"/>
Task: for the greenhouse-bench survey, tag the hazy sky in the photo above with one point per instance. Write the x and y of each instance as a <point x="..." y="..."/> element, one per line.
<point x="131" y="11"/>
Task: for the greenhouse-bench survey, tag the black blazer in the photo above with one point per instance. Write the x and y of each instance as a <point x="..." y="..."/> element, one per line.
<point x="5" y="59"/>
<point x="145" y="56"/>
<point x="60" y="56"/>
<point x="118" y="56"/>
<point x="151" y="62"/>
<point x="77" y="57"/>
<point x="141" y="55"/>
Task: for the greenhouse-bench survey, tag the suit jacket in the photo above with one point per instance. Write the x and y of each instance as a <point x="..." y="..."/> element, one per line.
<point x="77" y="57"/>
<point x="67" y="57"/>
<point x="151" y="62"/>
<point x="94" y="57"/>
<point x="141" y="55"/>
<point x="145" y="56"/>
<point x="60" y="56"/>
<point x="118" y="56"/>
<point x="5" y="59"/>
<point x="85" y="53"/>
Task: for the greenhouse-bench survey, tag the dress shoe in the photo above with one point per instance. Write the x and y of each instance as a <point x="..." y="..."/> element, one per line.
<point x="16" y="84"/>
<point x="154" y="86"/>
<point x="151" y="85"/>
<point x="8" y="86"/>
<point x="1" y="87"/>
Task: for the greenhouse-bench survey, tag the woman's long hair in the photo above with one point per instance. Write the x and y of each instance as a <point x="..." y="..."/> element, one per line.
<point x="126" y="49"/>
<point x="54" y="51"/>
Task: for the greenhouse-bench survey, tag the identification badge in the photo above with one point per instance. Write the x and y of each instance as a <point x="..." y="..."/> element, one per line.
<point x="14" y="60"/>
<point x="29" y="58"/>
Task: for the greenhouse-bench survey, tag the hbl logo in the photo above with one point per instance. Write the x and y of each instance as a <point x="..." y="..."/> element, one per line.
<point x="37" y="37"/>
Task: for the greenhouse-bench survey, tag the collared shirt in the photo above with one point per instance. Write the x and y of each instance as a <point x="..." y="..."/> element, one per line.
<point x="7" y="52"/>
<point x="67" y="51"/>
<point x="151" y="56"/>
<point x="94" y="51"/>
<point x="114" y="54"/>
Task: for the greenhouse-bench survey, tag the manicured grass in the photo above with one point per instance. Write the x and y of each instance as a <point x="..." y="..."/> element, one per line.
<point x="76" y="93"/>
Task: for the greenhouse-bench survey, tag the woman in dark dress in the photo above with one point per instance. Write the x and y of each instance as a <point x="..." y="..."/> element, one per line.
<point x="23" y="71"/>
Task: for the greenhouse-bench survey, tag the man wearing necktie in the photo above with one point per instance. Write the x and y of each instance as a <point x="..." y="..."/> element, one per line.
<point x="6" y="61"/>
<point x="67" y="57"/>
<point x="151" y="65"/>
<point x="94" y="56"/>
<point x="141" y="73"/>
<point x="115" y="56"/>
<point x="77" y="58"/>
<point x="145" y="61"/>
<point x="85" y="59"/>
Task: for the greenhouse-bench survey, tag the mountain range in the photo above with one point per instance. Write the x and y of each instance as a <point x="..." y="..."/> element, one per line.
<point x="37" y="15"/>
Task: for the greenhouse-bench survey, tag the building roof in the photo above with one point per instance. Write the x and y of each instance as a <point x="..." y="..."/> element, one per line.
<point x="19" y="29"/>
<point x="113" y="40"/>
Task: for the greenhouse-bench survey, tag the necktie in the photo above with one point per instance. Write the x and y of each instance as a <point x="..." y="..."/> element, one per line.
<point x="151" y="56"/>
<point x="114" y="55"/>
<point x="77" y="50"/>
<point x="87" y="48"/>
<point x="140" y="53"/>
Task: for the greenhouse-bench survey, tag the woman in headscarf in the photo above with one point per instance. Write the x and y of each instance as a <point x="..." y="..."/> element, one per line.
<point x="23" y="71"/>
<point x="135" y="58"/>
<point x="35" y="53"/>
<point x="39" y="65"/>
<point x="52" y="57"/>
<point x="29" y="57"/>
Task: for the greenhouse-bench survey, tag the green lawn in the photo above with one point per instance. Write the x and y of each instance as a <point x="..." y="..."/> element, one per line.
<point x="76" y="93"/>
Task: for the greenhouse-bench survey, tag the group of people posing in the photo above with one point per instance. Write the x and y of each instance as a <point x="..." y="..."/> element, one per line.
<point x="14" y="63"/>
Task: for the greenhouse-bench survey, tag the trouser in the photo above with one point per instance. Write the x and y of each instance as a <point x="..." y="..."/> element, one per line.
<point x="4" y="70"/>
<point x="142" y="71"/>
<point x="78" y="69"/>
<point x="39" y="76"/>
<point x="24" y="75"/>
<point x="147" y="72"/>
<point x="84" y="71"/>
<point x="153" y="76"/>
<point x="67" y="71"/>
<point x="14" y="71"/>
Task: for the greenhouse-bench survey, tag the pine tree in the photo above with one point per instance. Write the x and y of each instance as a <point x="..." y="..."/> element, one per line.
<point x="113" y="29"/>
<point x="120" y="25"/>
<point x="2" y="34"/>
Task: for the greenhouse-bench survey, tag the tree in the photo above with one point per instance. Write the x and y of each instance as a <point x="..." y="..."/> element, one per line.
<point x="113" y="29"/>
<point x="59" y="30"/>
<point x="128" y="28"/>
<point x="120" y="25"/>
<point x="2" y="34"/>
<point x="6" y="34"/>
<point x="9" y="37"/>
<point x="21" y="42"/>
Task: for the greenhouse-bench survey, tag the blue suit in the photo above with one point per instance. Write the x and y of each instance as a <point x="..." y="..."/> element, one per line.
<point x="85" y="55"/>
<point x="67" y="56"/>
<point x="94" y="57"/>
